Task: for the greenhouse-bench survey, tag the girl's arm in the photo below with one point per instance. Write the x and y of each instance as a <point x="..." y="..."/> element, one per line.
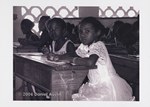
<point x="97" y="52"/>
<point x="90" y="61"/>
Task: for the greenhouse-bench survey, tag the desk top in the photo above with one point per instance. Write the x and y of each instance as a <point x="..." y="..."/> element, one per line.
<point x="59" y="65"/>
<point x="133" y="58"/>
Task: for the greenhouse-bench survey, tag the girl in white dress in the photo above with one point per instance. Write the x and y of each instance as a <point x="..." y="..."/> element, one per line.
<point x="104" y="83"/>
<point x="56" y="28"/>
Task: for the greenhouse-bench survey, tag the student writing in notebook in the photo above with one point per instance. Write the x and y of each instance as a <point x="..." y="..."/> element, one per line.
<point x="61" y="45"/>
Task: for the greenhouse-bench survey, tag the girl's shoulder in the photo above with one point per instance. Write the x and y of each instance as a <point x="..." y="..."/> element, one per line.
<point x="68" y="41"/>
<point x="100" y="42"/>
<point x="97" y="44"/>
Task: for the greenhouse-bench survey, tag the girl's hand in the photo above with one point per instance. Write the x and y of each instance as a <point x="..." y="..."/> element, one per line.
<point x="52" y="57"/>
<point x="66" y="59"/>
<point x="45" y="50"/>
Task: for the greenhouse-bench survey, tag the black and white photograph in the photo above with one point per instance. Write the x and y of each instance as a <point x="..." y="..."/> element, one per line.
<point x="81" y="52"/>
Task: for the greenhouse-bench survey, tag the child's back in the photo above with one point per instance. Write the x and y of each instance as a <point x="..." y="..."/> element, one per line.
<point x="30" y="37"/>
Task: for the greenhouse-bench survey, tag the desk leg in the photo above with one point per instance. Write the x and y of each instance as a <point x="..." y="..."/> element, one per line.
<point x="18" y="88"/>
<point x="21" y="90"/>
<point x="33" y="93"/>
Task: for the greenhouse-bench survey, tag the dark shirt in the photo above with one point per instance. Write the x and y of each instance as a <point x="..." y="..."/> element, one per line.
<point x="45" y="40"/>
<point x="30" y="39"/>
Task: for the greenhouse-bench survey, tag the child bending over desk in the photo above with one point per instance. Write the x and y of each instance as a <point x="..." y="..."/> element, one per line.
<point x="61" y="46"/>
<point x="104" y="83"/>
<point x="30" y="37"/>
<point x="56" y="28"/>
<point x="45" y="39"/>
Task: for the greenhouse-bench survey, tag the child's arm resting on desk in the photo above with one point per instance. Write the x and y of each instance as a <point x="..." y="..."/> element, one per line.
<point x="89" y="61"/>
<point x="70" y="53"/>
<point x="97" y="51"/>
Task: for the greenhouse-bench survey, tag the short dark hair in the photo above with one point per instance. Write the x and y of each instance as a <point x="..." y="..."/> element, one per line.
<point x="28" y="23"/>
<point x="60" y="21"/>
<point x="96" y="23"/>
<point x="44" y="18"/>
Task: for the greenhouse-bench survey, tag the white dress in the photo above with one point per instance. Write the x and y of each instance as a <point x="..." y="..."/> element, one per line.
<point x="62" y="50"/>
<point x="104" y="83"/>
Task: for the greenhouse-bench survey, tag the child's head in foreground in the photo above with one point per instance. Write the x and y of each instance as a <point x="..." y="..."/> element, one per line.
<point x="56" y="28"/>
<point x="90" y="30"/>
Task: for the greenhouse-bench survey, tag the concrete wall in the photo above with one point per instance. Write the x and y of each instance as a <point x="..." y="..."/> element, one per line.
<point x="17" y="33"/>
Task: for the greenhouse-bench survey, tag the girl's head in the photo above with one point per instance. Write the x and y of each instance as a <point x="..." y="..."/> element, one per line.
<point x="125" y="35"/>
<point x="42" y="22"/>
<point x="56" y="28"/>
<point x="26" y="25"/>
<point x="90" y="30"/>
<point x="116" y="26"/>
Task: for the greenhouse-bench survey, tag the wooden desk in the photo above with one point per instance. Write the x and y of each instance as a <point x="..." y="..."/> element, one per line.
<point x="59" y="81"/>
<point x="128" y="68"/>
<point x="25" y="49"/>
<point x="17" y="47"/>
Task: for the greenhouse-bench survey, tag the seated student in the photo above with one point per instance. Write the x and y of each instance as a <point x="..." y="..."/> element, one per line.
<point x="70" y="30"/>
<point x="76" y="35"/>
<point x="115" y="28"/>
<point x="30" y="37"/>
<point x="56" y="28"/>
<point x="104" y="83"/>
<point x="127" y="37"/>
<point x="45" y="39"/>
<point x="110" y="33"/>
<point x="60" y="44"/>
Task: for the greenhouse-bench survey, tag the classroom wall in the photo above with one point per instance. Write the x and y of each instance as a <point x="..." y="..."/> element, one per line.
<point x="89" y="11"/>
<point x="17" y="17"/>
<point x="107" y="22"/>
